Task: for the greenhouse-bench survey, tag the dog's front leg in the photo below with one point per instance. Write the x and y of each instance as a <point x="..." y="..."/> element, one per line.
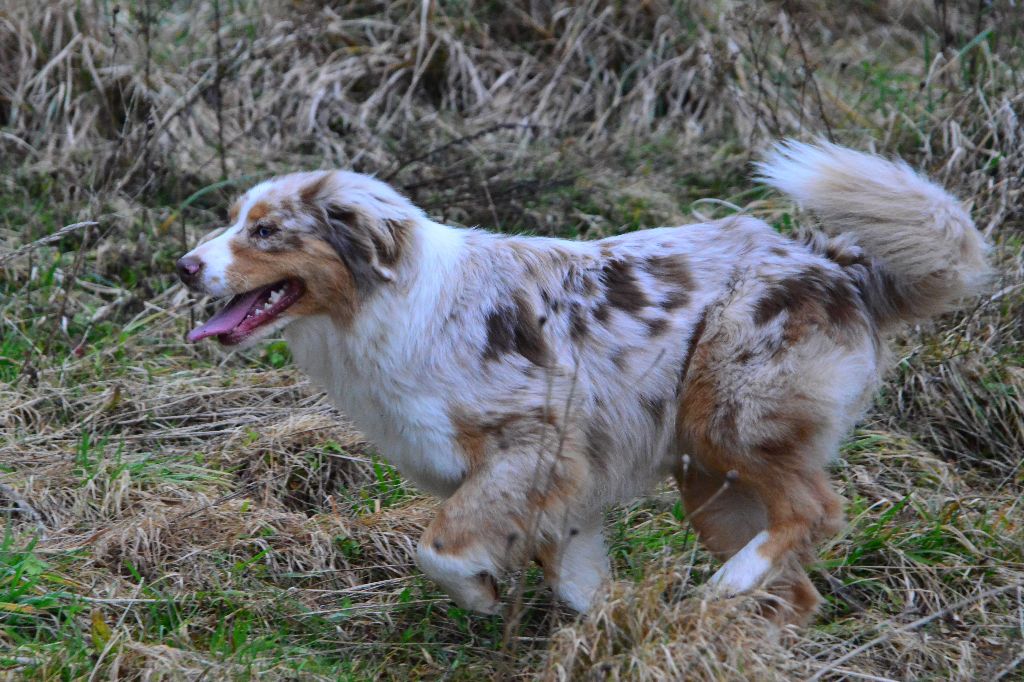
<point x="577" y="566"/>
<point x="472" y="542"/>
<point x="516" y="508"/>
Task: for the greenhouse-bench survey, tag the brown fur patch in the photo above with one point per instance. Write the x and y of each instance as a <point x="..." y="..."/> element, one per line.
<point x="725" y="515"/>
<point x="446" y="535"/>
<point x="578" y="327"/>
<point x="516" y="328"/>
<point x="814" y="298"/>
<point x="234" y="210"/>
<point x="623" y="292"/>
<point x="695" y="337"/>
<point x="477" y="434"/>
<point x="673" y="270"/>
<point x="471" y="438"/>
<point x="675" y="299"/>
<point x="794" y="432"/>
<point x="390" y="243"/>
<point x="845" y="257"/>
<point x="706" y="419"/>
<point x="258" y="211"/>
<point x="365" y="244"/>
<point x="656" y="327"/>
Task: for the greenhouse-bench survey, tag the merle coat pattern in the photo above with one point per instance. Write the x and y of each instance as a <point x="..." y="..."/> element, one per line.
<point x="533" y="382"/>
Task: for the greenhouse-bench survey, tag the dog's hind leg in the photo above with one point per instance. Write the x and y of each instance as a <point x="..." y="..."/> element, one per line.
<point x="732" y="522"/>
<point x="724" y="511"/>
<point x="762" y="435"/>
<point x="799" y="507"/>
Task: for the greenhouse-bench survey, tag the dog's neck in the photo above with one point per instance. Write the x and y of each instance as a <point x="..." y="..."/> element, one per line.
<point x="376" y="368"/>
<point x="391" y="325"/>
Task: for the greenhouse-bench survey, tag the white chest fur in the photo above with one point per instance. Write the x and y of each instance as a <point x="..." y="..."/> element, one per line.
<point x="375" y="373"/>
<point x="409" y="424"/>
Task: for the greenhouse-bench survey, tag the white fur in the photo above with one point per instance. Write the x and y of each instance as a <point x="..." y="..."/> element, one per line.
<point x="745" y="570"/>
<point x="216" y="257"/>
<point x="582" y="569"/>
<point x="461" y="575"/>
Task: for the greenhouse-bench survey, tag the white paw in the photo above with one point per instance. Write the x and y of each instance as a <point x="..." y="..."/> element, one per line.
<point x="580" y="596"/>
<point x="744" y="570"/>
<point x="581" y="571"/>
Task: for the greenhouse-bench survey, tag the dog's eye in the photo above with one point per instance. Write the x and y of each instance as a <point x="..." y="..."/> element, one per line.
<point x="264" y="230"/>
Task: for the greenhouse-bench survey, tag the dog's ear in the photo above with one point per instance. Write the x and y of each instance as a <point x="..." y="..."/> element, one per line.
<point x="369" y="244"/>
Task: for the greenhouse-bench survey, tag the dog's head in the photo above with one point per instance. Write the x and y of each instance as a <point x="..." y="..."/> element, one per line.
<point x="303" y="244"/>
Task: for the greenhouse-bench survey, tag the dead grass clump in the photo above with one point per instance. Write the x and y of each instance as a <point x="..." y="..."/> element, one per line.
<point x="307" y="463"/>
<point x="659" y="630"/>
<point x="185" y="543"/>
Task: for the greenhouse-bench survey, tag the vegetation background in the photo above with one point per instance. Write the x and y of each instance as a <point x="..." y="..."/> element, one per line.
<point x="174" y="512"/>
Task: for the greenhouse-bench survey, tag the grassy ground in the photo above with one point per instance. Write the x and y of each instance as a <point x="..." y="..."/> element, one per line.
<point x="173" y="512"/>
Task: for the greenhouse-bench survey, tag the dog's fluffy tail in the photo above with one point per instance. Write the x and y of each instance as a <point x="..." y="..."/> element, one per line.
<point x="924" y="254"/>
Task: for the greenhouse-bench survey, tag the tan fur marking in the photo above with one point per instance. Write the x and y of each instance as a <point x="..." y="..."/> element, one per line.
<point x="259" y="210"/>
<point x="552" y="491"/>
<point x="472" y="439"/>
<point x="447" y="536"/>
<point x="330" y="287"/>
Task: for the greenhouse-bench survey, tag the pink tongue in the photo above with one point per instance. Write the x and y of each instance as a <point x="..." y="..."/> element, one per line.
<point x="227" y="318"/>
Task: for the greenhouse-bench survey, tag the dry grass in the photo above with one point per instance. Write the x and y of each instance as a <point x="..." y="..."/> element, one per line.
<point x="175" y="513"/>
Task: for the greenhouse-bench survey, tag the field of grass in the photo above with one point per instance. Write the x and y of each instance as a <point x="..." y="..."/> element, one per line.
<point x="174" y="512"/>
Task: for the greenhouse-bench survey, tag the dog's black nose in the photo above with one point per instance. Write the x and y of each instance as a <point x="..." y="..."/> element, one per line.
<point x="188" y="269"/>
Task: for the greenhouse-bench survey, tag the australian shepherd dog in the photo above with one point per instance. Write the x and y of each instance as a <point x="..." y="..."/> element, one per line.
<point x="533" y="382"/>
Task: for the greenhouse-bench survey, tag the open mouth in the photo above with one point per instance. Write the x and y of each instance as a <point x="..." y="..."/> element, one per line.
<point x="245" y="313"/>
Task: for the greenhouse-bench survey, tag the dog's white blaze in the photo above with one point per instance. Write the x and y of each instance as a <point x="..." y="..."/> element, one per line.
<point x="745" y="569"/>
<point x="216" y="257"/>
